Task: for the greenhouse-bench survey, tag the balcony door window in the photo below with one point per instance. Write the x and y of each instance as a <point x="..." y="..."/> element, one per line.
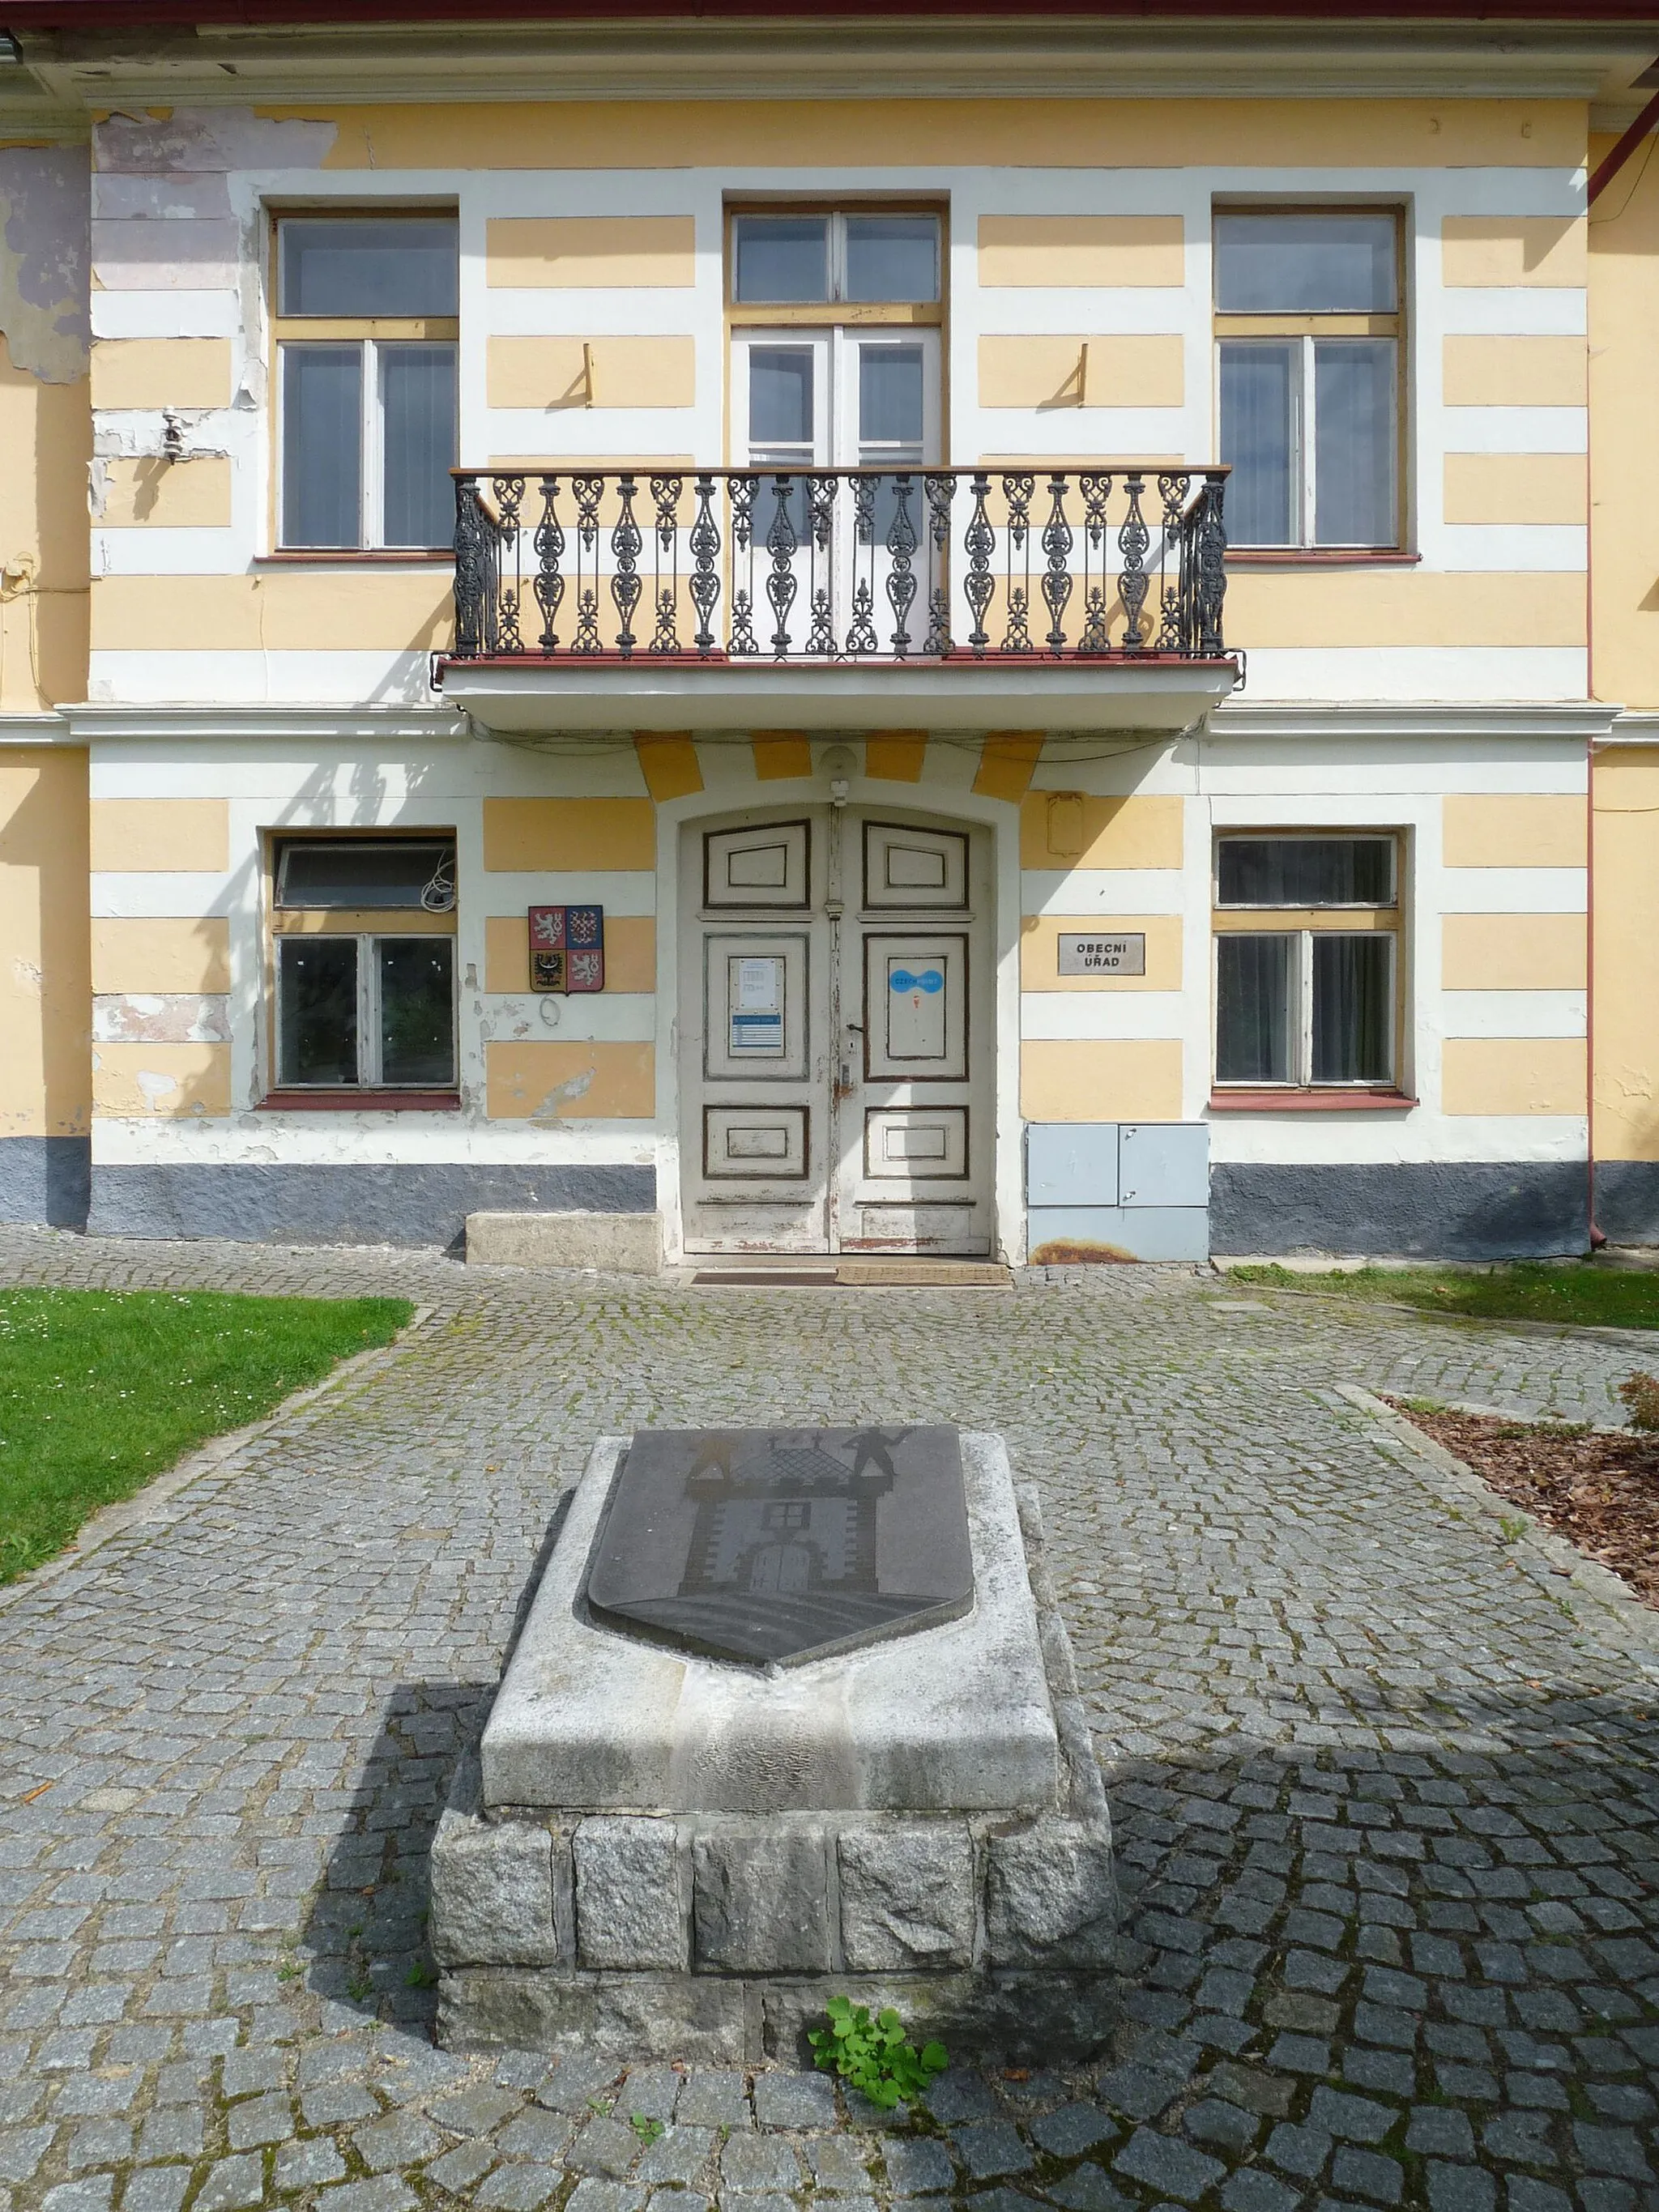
<point x="836" y="399"/>
<point x="365" y="337"/>
<point x="1308" y="330"/>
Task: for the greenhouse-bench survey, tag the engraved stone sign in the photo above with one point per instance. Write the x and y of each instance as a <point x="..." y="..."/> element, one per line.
<point x="1082" y="954"/>
<point x="770" y="1546"/>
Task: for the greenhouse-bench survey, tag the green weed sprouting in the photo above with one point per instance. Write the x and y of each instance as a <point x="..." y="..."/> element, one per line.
<point x="872" y="2056"/>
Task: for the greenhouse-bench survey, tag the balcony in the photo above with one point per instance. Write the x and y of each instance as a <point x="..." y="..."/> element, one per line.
<point x="848" y="599"/>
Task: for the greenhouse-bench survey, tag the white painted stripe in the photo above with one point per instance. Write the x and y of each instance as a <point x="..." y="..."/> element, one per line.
<point x="333" y="1139"/>
<point x="1512" y="1013"/>
<point x="1445" y="672"/>
<point x="598" y="311"/>
<point x="1110" y="310"/>
<point x="1391" y="1138"/>
<point x="154" y="549"/>
<point x="1511" y="431"/>
<point x="185" y="314"/>
<point x="1513" y="890"/>
<point x="1499" y="547"/>
<point x="1102" y="1014"/>
<point x="613" y="1017"/>
<point x="166" y="894"/>
<point x="1101" y="890"/>
<point x="618" y="890"/>
<point x="1515" y="311"/>
<point x="338" y="679"/>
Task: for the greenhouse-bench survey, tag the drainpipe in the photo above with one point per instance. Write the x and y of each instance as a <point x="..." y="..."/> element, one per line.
<point x="1609" y="168"/>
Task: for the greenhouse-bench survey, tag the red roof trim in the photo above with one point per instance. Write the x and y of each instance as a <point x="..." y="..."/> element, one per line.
<point x="130" y="14"/>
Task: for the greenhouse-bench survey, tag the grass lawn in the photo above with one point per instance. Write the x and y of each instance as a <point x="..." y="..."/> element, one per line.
<point x="100" y="1390"/>
<point x="1610" y="1298"/>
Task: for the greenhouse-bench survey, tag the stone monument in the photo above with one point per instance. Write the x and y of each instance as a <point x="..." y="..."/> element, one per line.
<point x="793" y="1715"/>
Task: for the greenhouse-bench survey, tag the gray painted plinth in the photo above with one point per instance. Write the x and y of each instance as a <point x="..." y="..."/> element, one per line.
<point x="46" y="1179"/>
<point x="666" y="1856"/>
<point x="1421" y="1209"/>
<point x="401" y="1202"/>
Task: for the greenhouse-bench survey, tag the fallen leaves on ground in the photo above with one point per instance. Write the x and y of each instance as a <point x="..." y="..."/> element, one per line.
<point x="1599" y="1489"/>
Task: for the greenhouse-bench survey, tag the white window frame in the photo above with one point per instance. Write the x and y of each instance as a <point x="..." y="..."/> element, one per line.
<point x="837" y="219"/>
<point x="1301" y="1005"/>
<point x="371" y="434"/>
<point x="835" y="441"/>
<point x="369" y="1077"/>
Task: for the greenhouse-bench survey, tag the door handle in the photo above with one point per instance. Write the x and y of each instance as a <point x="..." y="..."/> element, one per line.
<point x="857" y="1028"/>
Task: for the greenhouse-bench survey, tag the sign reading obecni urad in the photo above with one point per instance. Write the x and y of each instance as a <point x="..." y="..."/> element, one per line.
<point x="1082" y="953"/>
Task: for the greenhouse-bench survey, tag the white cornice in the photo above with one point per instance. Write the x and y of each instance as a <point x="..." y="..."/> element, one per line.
<point x="47" y="729"/>
<point x="94" y="722"/>
<point x="1634" y="726"/>
<point x="1574" y="721"/>
<point x="897" y="59"/>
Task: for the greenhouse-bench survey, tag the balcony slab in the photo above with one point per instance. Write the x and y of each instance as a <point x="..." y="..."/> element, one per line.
<point x="525" y="694"/>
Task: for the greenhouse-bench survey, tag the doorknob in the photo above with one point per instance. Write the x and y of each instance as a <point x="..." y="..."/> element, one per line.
<point x="857" y="1028"/>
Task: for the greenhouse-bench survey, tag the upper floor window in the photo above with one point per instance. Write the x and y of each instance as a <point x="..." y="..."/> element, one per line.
<point x="833" y="258"/>
<point x="1308" y="330"/>
<point x="366" y="332"/>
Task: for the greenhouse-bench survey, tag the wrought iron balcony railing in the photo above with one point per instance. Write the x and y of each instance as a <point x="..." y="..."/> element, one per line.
<point x="841" y="566"/>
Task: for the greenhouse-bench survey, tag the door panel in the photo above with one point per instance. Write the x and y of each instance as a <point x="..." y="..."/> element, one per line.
<point x="835" y="1067"/>
<point x="915" y="1008"/>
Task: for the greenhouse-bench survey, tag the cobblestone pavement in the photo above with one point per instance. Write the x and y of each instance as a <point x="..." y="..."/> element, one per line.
<point x="1385" y="1788"/>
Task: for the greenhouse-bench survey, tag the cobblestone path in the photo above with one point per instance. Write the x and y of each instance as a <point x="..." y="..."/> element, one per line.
<point x="1385" y="1787"/>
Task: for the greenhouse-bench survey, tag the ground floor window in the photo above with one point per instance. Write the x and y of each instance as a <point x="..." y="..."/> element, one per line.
<point x="1307" y="961"/>
<point x="365" y="964"/>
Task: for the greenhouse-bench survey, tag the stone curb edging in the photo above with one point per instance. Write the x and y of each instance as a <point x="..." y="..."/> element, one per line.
<point x="112" y="1521"/>
<point x="1555" y="1559"/>
<point x="1567" y="1328"/>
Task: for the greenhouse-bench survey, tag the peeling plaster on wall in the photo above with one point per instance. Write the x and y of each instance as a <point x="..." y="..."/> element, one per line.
<point x="45" y="229"/>
<point x="207" y="139"/>
<point x="161" y="1017"/>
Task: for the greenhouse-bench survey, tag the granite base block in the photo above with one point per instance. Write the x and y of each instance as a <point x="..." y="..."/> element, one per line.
<point x="701" y="1932"/>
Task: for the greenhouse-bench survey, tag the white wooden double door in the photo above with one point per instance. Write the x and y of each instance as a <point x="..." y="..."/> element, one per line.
<point x="836" y="1035"/>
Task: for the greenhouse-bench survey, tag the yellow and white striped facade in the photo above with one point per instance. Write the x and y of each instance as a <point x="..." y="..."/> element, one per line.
<point x="1468" y="696"/>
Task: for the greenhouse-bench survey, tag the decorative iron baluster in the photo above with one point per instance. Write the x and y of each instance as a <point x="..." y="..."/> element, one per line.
<point x="665" y="498"/>
<point x="509" y="495"/>
<point x="861" y="633"/>
<point x="705" y="544"/>
<point x="821" y="522"/>
<point x="782" y="543"/>
<point x="549" y="543"/>
<point x="1172" y="489"/>
<point x="1057" y="576"/>
<point x="901" y="542"/>
<point x="1017" y="490"/>
<point x="979" y="543"/>
<point x="477" y="554"/>
<point x="589" y="491"/>
<point x="939" y="491"/>
<point x="1133" y="539"/>
<point x="743" y="490"/>
<point x="627" y="543"/>
<point x="1211" y="569"/>
<point x="1095" y="635"/>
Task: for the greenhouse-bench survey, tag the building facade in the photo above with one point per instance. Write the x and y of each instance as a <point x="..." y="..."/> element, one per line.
<point x="634" y="621"/>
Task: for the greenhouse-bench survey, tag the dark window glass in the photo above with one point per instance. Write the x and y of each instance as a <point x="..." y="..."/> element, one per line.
<point x="417" y="1019"/>
<point x="892" y="257"/>
<point x="1291" y="263"/>
<point x="393" y="872"/>
<point x="417" y="402"/>
<point x="781" y="404"/>
<point x="1352" y="1017"/>
<point x="1259" y="388"/>
<point x="363" y="265"/>
<point x="1353" y="441"/>
<point x="891" y="395"/>
<point x="322" y="445"/>
<point x="1305" y="872"/>
<point x="316" y="1010"/>
<point x="781" y="260"/>
<point x="1252" y="1009"/>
